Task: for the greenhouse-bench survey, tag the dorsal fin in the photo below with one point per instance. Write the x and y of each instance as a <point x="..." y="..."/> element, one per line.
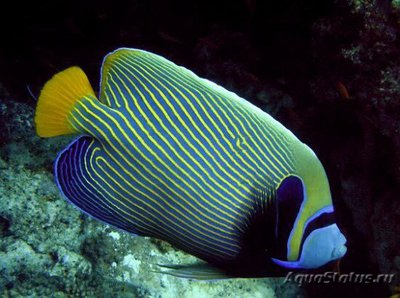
<point x="111" y="92"/>
<point x="132" y="74"/>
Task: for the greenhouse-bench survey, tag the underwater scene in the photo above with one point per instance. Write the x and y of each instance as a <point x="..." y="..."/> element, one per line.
<point x="239" y="148"/>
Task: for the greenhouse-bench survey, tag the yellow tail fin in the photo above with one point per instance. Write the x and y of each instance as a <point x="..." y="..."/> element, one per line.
<point x="57" y="99"/>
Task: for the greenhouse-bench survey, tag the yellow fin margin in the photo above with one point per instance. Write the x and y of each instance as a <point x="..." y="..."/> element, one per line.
<point x="57" y="99"/>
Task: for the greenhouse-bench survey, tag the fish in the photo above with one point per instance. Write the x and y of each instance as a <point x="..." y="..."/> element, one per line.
<point x="342" y="90"/>
<point x="161" y="152"/>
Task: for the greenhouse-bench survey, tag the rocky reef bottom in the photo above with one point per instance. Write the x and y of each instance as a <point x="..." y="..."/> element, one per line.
<point x="50" y="249"/>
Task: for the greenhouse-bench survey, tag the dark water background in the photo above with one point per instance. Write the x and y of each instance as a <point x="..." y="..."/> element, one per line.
<point x="291" y="58"/>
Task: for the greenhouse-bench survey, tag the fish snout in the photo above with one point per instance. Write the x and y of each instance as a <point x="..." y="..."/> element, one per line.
<point x="340" y="248"/>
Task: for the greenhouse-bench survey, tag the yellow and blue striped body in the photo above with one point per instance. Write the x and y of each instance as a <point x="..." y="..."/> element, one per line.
<point x="169" y="155"/>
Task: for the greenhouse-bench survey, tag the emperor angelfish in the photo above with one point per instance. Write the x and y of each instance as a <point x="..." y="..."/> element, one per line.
<point x="166" y="154"/>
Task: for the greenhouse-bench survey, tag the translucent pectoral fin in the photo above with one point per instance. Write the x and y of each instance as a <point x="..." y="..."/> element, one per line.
<point x="197" y="271"/>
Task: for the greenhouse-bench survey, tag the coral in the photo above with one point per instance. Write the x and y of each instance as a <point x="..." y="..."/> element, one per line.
<point x="364" y="129"/>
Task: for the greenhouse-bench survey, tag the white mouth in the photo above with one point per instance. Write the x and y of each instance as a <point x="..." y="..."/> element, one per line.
<point x="339" y="252"/>
<point x="341" y="249"/>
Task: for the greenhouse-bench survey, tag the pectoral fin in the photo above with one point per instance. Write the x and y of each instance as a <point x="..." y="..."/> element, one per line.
<point x="197" y="271"/>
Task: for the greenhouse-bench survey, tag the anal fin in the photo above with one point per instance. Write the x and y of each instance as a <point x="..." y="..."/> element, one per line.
<point x="81" y="184"/>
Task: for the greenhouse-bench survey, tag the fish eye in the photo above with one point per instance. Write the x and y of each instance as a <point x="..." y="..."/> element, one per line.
<point x="317" y="222"/>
